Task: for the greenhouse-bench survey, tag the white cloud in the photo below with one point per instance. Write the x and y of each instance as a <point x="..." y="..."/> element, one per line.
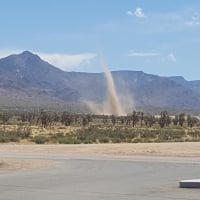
<point x="139" y="13"/>
<point x="130" y="13"/>
<point x="67" y="61"/>
<point x="62" y="61"/>
<point x="143" y="54"/>
<point x="171" y="57"/>
<point x="165" y="58"/>
<point x="7" y="52"/>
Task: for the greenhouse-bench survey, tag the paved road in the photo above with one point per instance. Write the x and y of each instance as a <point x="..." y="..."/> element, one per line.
<point x="94" y="179"/>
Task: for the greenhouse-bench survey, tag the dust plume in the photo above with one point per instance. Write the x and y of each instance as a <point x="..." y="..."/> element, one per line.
<point x="116" y="103"/>
<point x="113" y="103"/>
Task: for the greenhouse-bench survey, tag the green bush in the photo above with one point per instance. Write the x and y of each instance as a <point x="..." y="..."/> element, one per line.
<point x="148" y="134"/>
<point x="4" y="139"/>
<point x="40" y="139"/>
<point x="66" y="140"/>
<point x="104" y="140"/>
<point x="9" y="136"/>
<point x="14" y="139"/>
<point x="171" y="135"/>
<point x="116" y="140"/>
<point x="88" y="142"/>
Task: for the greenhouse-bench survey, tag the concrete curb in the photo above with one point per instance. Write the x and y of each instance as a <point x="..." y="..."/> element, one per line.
<point x="193" y="183"/>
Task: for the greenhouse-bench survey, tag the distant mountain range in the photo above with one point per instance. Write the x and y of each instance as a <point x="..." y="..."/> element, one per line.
<point x="27" y="80"/>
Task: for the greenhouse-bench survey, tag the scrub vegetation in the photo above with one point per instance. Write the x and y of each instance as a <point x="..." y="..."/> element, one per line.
<point x="70" y="128"/>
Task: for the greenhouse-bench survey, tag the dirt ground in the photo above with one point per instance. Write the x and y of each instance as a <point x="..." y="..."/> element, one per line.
<point x="183" y="149"/>
<point x="22" y="164"/>
<point x="189" y="149"/>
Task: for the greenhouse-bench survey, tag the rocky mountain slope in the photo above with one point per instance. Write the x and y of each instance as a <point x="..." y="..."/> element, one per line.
<point x="27" y="79"/>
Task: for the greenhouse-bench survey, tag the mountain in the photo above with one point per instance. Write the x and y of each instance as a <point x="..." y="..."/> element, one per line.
<point x="160" y="92"/>
<point x="26" y="79"/>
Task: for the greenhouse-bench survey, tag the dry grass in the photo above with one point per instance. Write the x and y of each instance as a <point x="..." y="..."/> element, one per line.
<point x="39" y="130"/>
<point x="59" y="133"/>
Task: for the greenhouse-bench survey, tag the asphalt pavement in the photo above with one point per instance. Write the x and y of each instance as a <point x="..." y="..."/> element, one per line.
<point x="87" y="178"/>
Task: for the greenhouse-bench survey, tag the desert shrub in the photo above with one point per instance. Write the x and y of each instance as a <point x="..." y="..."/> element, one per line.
<point x="14" y="139"/>
<point x="105" y="135"/>
<point x="171" y="135"/>
<point x="88" y="142"/>
<point x="137" y="140"/>
<point x="116" y="140"/>
<point x="40" y="139"/>
<point x="77" y="141"/>
<point x="10" y="136"/>
<point x="66" y="140"/>
<point x="25" y="133"/>
<point x="59" y="135"/>
<point x="56" y="136"/>
<point x="194" y="134"/>
<point x="104" y="140"/>
<point x="4" y="139"/>
<point x="148" y="134"/>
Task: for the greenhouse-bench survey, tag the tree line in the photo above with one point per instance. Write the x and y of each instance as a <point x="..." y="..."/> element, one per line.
<point x="134" y="119"/>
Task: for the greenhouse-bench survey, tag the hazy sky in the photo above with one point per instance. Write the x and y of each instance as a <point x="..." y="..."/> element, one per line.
<point x="155" y="36"/>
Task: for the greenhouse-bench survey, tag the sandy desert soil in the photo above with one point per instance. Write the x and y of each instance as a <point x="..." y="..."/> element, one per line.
<point x="183" y="149"/>
<point x="189" y="149"/>
<point x="22" y="164"/>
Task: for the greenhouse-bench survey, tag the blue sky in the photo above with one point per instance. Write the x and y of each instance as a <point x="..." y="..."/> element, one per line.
<point x="157" y="37"/>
